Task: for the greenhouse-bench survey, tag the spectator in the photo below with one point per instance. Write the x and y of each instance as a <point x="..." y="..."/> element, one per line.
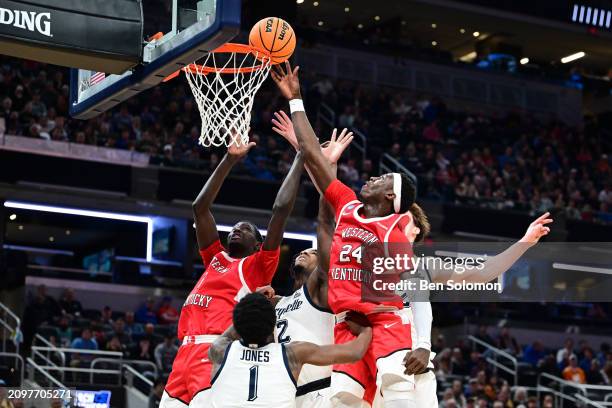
<point x="594" y="374"/>
<point x="132" y="328"/>
<point x="143" y="350"/>
<point x="106" y="316"/>
<point x="167" y="314"/>
<point x="146" y="313"/>
<point x="457" y="392"/>
<point x="565" y="353"/>
<point x="149" y="333"/>
<point x="574" y="373"/>
<point x="64" y="332"/>
<point x="483" y="335"/>
<point x="534" y="353"/>
<point x="520" y="396"/>
<point x="85" y="342"/>
<point x="165" y="353"/>
<point x="69" y="304"/>
<point x="115" y="345"/>
<point x="119" y="331"/>
<point x="507" y="342"/>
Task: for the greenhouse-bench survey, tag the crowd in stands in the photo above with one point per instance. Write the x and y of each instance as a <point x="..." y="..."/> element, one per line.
<point x="511" y="161"/>
<point x="145" y="334"/>
<point x="469" y="381"/>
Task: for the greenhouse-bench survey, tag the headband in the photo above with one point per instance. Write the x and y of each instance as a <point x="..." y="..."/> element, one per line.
<point x="397" y="190"/>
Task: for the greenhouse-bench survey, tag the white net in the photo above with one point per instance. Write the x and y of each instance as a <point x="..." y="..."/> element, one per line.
<point x="225" y="95"/>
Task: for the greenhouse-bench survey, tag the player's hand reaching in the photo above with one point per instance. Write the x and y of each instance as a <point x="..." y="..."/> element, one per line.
<point x="284" y="127"/>
<point x="238" y="150"/>
<point x="333" y="149"/>
<point x="416" y="361"/>
<point x="356" y="322"/>
<point x="537" y="229"/>
<point x="287" y="80"/>
<point x="267" y="291"/>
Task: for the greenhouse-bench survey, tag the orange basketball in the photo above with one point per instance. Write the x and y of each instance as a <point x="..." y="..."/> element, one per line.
<point x="275" y="36"/>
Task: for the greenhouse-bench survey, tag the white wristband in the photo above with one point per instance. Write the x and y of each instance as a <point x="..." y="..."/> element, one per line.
<point x="423" y="343"/>
<point x="296" y="105"/>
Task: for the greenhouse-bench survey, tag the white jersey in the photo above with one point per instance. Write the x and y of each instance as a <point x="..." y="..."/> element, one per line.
<point x="299" y="319"/>
<point x="253" y="378"/>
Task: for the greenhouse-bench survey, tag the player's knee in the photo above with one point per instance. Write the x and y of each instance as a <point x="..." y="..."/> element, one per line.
<point x="395" y="387"/>
<point x="345" y="399"/>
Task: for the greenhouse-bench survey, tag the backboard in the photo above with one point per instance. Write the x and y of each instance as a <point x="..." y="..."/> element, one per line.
<point x="196" y="27"/>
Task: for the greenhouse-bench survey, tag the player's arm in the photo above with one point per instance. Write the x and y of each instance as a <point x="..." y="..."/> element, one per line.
<point x="493" y="267"/>
<point x="283" y="205"/>
<point x="289" y="84"/>
<point x="206" y="228"/>
<point x="300" y="353"/>
<point x="216" y="352"/>
<point x="416" y="361"/>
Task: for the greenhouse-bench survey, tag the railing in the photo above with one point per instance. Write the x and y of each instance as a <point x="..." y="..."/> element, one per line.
<point x="497" y="353"/>
<point x="577" y="392"/>
<point x="129" y="373"/>
<point x="6" y="317"/>
<point x="33" y="367"/>
<point x="121" y="363"/>
<point x="587" y="402"/>
<point x="327" y="115"/>
<point x="388" y="164"/>
<point x="35" y="351"/>
<point x="360" y="142"/>
<point x="18" y="359"/>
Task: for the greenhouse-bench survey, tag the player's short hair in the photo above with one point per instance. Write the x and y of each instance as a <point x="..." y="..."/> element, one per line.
<point x="409" y="192"/>
<point x="421" y="221"/>
<point x="258" y="235"/>
<point x="254" y="319"/>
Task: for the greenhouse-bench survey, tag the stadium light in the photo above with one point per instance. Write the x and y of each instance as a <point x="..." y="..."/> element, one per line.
<point x="13" y="217"/>
<point x="470" y="56"/>
<point x="572" y="57"/>
<point x="476" y="33"/>
<point x="524" y="61"/>
<point x="90" y="213"/>
<point x="299" y="1"/>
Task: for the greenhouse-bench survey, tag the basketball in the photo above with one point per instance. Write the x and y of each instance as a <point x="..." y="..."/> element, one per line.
<point x="275" y="36"/>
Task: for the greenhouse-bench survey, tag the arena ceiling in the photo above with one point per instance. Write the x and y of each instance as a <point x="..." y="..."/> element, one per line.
<point x="441" y="22"/>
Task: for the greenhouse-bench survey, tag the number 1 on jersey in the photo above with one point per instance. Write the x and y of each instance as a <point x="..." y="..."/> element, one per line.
<point x="354" y="253"/>
<point x="253" y="374"/>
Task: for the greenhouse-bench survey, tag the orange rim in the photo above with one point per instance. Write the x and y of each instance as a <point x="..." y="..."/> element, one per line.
<point x="229" y="48"/>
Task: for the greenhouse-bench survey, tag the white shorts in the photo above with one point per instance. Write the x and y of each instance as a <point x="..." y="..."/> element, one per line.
<point x="315" y="399"/>
<point x="426" y="390"/>
<point x="169" y="402"/>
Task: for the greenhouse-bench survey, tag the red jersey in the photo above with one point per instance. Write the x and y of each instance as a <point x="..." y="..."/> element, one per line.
<point x="346" y="274"/>
<point x="208" y="308"/>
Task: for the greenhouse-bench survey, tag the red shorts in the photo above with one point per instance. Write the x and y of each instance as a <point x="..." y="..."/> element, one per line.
<point x="390" y="335"/>
<point x="190" y="372"/>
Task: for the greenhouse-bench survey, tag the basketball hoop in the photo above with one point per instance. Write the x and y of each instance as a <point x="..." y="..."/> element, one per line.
<point x="224" y="86"/>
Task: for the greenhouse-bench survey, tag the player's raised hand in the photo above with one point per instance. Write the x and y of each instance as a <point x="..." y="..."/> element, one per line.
<point x="537" y="229"/>
<point x="283" y="126"/>
<point x="333" y="149"/>
<point x="238" y="150"/>
<point x="416" y="361"/>
<point x="287" y="80"/>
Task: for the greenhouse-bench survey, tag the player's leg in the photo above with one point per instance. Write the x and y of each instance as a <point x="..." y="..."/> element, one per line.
<point x="349" y="381"/>
<point x="176" y="394"/>
<point x="391" y="341"/>
<point x="198" y="379"/>
<point x="426" y="389"/>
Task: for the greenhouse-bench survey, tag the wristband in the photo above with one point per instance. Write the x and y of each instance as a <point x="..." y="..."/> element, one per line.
<point x="424" y="344"/>
<point x="296" y="105"/>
